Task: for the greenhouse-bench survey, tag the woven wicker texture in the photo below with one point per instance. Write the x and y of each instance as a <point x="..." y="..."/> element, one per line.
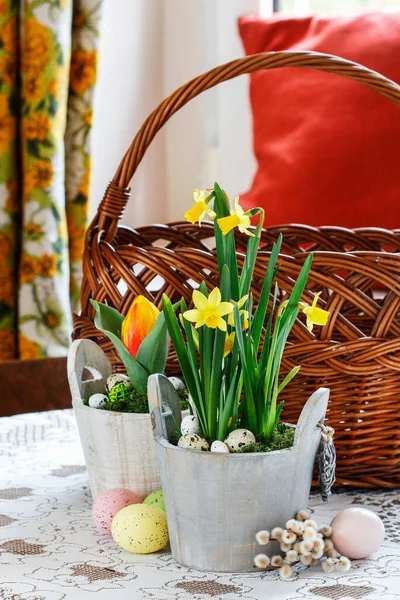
<point x="357" y="355"/>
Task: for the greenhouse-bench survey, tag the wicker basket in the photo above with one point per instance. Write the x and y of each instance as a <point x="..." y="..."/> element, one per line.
<point x="357" y="355"/>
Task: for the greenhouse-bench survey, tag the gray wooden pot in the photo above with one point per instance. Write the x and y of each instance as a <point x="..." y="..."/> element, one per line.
<point x="215" y="503"/>
<point x="118" y="447"/>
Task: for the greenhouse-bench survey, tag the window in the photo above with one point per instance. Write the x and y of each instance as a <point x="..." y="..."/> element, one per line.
<point x="332" y="7"/>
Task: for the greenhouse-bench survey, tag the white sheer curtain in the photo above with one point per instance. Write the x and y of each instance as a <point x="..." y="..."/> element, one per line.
<point x="149" y="48"/>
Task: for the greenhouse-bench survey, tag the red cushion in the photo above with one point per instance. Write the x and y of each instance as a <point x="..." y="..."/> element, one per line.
<point x="328" y="148"/>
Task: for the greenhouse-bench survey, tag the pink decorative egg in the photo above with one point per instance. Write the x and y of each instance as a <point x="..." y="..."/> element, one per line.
<point x="357" y="532"/>
<point x="109" y="503"/>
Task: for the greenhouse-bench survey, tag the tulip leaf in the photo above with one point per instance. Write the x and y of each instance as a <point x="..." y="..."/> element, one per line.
<point x="153" y="351"/>
<point x="109" y="321"/>
<point x="109" y="318"/>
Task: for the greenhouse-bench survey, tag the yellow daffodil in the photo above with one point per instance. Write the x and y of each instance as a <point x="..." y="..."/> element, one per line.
<point x="244" y="313"/>
<point x="238" y="218"/>
<point x="208" y="311"/>
<point x="229" y="341"/>
<point x="200" y="208"/>
<point x="315" y="315"/>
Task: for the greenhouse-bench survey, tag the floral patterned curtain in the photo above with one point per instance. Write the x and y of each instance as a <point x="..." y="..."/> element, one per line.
<point x="48" y="59"/>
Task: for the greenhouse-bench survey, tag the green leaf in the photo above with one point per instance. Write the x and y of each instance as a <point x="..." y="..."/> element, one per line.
<point x="250" y="260"/>
<point x="225" y="244"/>
<point x="153" y="351"/>
<point x="267" y="338"/>
<point x="221" y="209"/>
<point x="191" y="332"/>
<point x="248" y="404"/>
<point x="217" y="358"/>
<point x="298" y="289"/>
<point x="288" y="378"/>
<point x="215" y="380"/>
<point x="261" y="310"/>
<point x="278" y="413"/>
<point x="109" y="321"/>
<point x="228" y="410"/>
<point x="182" y="354"/>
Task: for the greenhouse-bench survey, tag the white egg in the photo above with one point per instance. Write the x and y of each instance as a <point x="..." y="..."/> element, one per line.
<point x="238" y="439"/>
<point x="177" y="383"/>
<point x="218" y="446"/>
<point x="97" y="400"/>
<point x="190" y="424"/>
<point x="115" y="379"/>
<point x="194" y="442"/>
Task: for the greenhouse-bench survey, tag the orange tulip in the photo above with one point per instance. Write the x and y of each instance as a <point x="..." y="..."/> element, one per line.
<point x="138" y="323"/>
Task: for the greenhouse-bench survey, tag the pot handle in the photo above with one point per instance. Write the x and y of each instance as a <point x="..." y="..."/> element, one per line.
<point x="164" y="407"/>
<point x="88" y="369"/>
<point x="313" y="413"/>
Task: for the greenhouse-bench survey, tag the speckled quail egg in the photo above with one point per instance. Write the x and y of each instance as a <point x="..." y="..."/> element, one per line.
<point x="190" y="424"/>
<point x="220" y="447"/>
<point x="97" y="400"/>
<point x="238" y="439"/>
<point x="115" y="379"/>
<point x="194" y="442"/>
<point x="177" y="383"/>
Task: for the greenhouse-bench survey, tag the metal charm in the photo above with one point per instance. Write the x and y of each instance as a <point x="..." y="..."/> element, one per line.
<point x="326" y="461"/>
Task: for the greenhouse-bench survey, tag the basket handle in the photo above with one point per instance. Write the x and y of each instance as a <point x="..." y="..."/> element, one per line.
<point x="117" y="194"/>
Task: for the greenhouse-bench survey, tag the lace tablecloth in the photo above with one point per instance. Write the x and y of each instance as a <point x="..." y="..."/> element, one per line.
<point x="50" y="549"/>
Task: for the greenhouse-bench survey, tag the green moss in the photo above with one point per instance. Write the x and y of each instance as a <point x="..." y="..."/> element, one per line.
<point x="128" y="401"/>
<point x="132" y="403"/>
<point x="175" y="437"/>
<point x="183" y="396"/>
<point x="282" y="438"/>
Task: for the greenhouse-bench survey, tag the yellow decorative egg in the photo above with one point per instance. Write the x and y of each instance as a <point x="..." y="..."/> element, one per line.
<point x="140" y="528"/>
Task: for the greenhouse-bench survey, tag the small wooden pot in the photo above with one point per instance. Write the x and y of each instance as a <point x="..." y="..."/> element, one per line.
<point x="216" y="503"/>
<point x="118" y="447"/>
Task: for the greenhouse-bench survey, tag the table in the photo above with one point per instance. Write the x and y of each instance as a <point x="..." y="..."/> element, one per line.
<point x="50" y="549"/>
